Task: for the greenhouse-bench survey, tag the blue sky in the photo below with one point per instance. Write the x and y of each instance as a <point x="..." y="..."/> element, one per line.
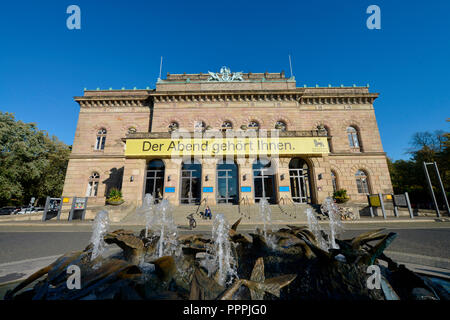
<point x="43" y="64"/>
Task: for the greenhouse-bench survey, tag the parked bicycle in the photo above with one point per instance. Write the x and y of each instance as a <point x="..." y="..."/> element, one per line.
<point x="347" y="214"/>
<point x="192" y="222"/>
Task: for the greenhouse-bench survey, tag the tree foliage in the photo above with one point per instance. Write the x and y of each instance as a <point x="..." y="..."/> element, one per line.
<point x="409" y="176"/>
<point x="32" y="164"/>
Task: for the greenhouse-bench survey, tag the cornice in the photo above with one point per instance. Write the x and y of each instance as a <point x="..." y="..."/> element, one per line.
<point x="298" y="95"/>
<point x="237" y="133"/>
<point x="96" y="156"/>
<point x="113" y="101"/>
<point x="358" y="154"/>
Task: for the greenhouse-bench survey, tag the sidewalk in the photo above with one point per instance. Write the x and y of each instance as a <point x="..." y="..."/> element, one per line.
<point x="244" y="221"/>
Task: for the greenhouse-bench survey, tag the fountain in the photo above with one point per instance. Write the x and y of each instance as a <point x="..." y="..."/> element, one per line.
<point x="167" y="229"/>
<point x="246" y="267"/>
<point x="100" y="227"/>
<point x="148" y="209"/>
<point x="336" y="227"/>
<point x="266" y="215"/>
<point x="314" y="226"/>
<point x="219" y="258"/>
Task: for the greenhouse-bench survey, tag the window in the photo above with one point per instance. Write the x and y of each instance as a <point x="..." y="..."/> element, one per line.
<point x="280" y="125"/>
<point x="253" y="125"/>
<point x="93" y="185"/>
<point x="173" y="126"/>
<point x="101" y="139"/>
<point x="334" y="181"/>
<point x="227" y="125"/>
<point x="353" y="138"/>
<point x="362" y="182"/>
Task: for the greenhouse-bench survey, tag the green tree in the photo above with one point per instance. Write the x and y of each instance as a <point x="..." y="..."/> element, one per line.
<point x="32" y="164"/>
<point x="408" y="175"/>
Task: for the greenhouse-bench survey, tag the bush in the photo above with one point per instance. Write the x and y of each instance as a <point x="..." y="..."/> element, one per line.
<point x="115" y="195"/>
<point x="341" y="196"/>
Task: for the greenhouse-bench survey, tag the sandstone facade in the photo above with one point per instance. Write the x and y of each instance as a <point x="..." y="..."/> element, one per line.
<point x="265" y="99"/>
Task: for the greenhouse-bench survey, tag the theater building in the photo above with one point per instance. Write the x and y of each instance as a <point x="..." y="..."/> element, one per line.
<point x="228" y="138"/>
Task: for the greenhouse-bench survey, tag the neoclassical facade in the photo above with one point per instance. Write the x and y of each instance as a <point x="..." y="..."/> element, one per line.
<point x="227" y="138"/>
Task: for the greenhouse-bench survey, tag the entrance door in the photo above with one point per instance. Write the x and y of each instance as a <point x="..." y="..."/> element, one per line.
<point x="227" y="183"/>
<point x="191" y="177"/>
<point x="155" y="179"/>
<point x="264" y="182"/>
<point x="298" y="172"/>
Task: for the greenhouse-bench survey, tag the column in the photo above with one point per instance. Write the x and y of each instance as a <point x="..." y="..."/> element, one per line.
<point x="246" y="185"/>
<point x="133" y="183"/>
<point x="172" y="180"/>
<point x="209" y="188"/>
<point x="283" y="181"/>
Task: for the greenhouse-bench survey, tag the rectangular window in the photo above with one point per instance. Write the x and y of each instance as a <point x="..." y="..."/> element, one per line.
<point x="350" y="140"/>
<point x="355" y="141"/>
<point x="92" y="189"/>
<point x="100" y="143"/>
<point x="97" y="143"/>
<point x="362" y="185"/>
<point x="89" y="189"/>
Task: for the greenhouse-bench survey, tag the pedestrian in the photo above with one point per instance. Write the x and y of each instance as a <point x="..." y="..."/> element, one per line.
<point x="208" y="213"/>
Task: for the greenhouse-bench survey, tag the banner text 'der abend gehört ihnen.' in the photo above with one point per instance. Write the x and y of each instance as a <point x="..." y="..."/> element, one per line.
<point x="226" y="146"/>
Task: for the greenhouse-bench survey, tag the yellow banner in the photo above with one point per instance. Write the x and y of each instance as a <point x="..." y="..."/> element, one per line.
<point x="226" y="146"/>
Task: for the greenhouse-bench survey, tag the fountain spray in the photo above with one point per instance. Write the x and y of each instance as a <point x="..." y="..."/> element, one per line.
<point x="168" y="233"/>
<point x="314" y="226"/>
<point x="222" y="259"/>
<point x="100" y="227"/>
<point x="335" y="223"/>
<point x="266" y="215"/>
<point x="148" y="209"/>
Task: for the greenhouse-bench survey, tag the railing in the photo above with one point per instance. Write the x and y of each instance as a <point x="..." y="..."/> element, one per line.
<point x="245" y="202"/>
<point x="284" y="200"/>
<point x="198" y="207"/>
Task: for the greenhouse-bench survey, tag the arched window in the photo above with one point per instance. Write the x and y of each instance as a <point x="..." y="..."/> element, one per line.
<point x="191" y="181"/>
<point x="264" y="180"/>
<point x="353" y="138"/>
<point x="362" y="182"/>
<point x="254" y="125"/>
<point x="227" y="125"/>
<point x="101" y="139"/>
<point x="300" y="184"/>
<point x="173" y="126"/>
<point x="132" y="130"/>
<point x="280" y="125"/>
<point x="154" y="184"/>
<point x="334" y="181"/>
<point x="93" y="185"/>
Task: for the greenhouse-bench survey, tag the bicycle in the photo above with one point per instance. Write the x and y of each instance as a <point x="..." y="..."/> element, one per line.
<point x="347" y="214"/>
<point x="192" y="222"/>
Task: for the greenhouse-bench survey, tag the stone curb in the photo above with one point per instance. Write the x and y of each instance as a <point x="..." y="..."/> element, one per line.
<point x="203" y="223"/>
